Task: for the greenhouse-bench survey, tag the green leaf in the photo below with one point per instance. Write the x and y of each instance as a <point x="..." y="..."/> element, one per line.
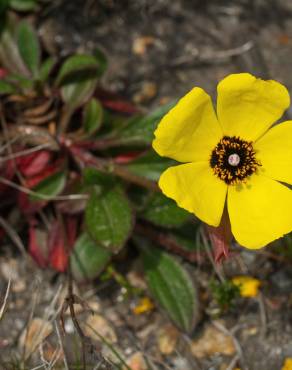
<point x="76" y="68"/>
<point x="150" y="165"/>
<point x="94" y="177"/>
<point x="50" y="186"/>
<point x="163" y="211"/>
<point x="22" y="82"/>
<point x="102" y="61"/>
<point x="10" y="55"/>
<point x="186" y="237"/>
<point x="46" y="69"/>
<point x="7" y="88"/>
<point x="109" y="218"/>
<point x="186" y="243"/>
<point x="28" y="45"/>
<point x="23" y="5"/>
<point x="139" y="130"/>
<point x="93" y="116"/>
<point x="3" y="19"/>
<point x="3" y="6"/>
<point x="87" y="258"/>
<point x="78" y="79"/>
<point x="76" y="94"/>
<point x="172" y="287"/>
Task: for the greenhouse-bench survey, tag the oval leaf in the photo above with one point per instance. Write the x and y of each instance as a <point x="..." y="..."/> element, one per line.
<point x="108" y="217"/>
<point x="50" y="186"/>
<point x="172" y="287"/>
<point x="139" y="130"/>
<point x="93" y="115"/>
<point x="150" y="165"/>
<point x="7" y="88"/>
<point x="87" y="258"/>
<point x="92" y="176"/>
<point x="46" y="68"/>
<point x="78" y="77"/>
<point x="10" y="55"/>
<point x="163" y="211"/>
<point x="75" y="66"/>
<point x="102" y="60"/>
<point x="3" y="6"/>
<point x="76" y="94"/>
<point x="186" y="238"/>
<point x="28" y="45"/>
<point x="22" y="82"/>
<point x="23" y="5"/>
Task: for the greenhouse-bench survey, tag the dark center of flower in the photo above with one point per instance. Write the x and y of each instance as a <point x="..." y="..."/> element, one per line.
<point x="233" y="160"/>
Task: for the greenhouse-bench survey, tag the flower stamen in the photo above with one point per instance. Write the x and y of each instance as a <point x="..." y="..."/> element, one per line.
<point x="233" y="160"/>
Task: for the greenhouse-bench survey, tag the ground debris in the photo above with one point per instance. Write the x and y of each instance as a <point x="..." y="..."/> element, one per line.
<point x="34" y="334"/>
<point x="137" y="362"/>
<point x="167" y="339"/>
<point x="141" y="44"/>
<point x="96" y="326"/>
<point x="213" y="341"/>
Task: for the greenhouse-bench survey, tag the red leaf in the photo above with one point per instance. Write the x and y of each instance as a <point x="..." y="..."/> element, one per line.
<point x="3" y="73"/>
<point x="28" y="207"/>
<point x="33" y="181"/>
<point x="113" y="101"/>
<point x="71" y="227"/>
<point x="32" y="164"/>
<point x="58" y="255"/>
<point x="120" y="106"/>
<point x="37" y="244"/>
<point x="2" y="234"/>
<point x="60" y="245"/>
<point x="220" y="238"/>
<point x="126" y="158"/>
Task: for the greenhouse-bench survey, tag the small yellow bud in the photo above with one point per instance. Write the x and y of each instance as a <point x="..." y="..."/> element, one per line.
<point x="248" y="285"/>
<point x="144" y="305"/>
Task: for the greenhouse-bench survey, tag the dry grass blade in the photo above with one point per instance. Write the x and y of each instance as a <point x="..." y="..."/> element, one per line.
<point x="14" y="237"/>
<point x="40" y="195"/>
<point x="16" y="99"/>
<point x="4" y="305"/>
<point x="66" y="367"/>
<point x="50" y="316"/>
<point x="233" y="362"/>
<point x="30" y="135"/>
<point x="237" y="345"/>
<point x="263" y="315"/>
<point x="42" y="119"/>
<point x="111" y="347"/>
<point x="24" y="152"/>
<point x="8" y="143"/>
<point x="38" y="110"/>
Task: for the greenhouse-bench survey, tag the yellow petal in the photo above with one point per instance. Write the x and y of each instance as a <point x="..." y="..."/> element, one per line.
<point x="260" y="211"/>
<point x="195" y="188"/>
<point x="247" y="106"/>
<point x="274" y="151"/>
<point x="248" y="286"/>
<point x="189" y="131"/>
<point x="287" y="364"/>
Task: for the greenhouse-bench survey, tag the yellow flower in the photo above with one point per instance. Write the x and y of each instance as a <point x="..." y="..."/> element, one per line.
<point x="232" y="157"/>
<point x="248" y="286"/>
<point x="144" y="305"/>
<point x="287" y="364"/>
